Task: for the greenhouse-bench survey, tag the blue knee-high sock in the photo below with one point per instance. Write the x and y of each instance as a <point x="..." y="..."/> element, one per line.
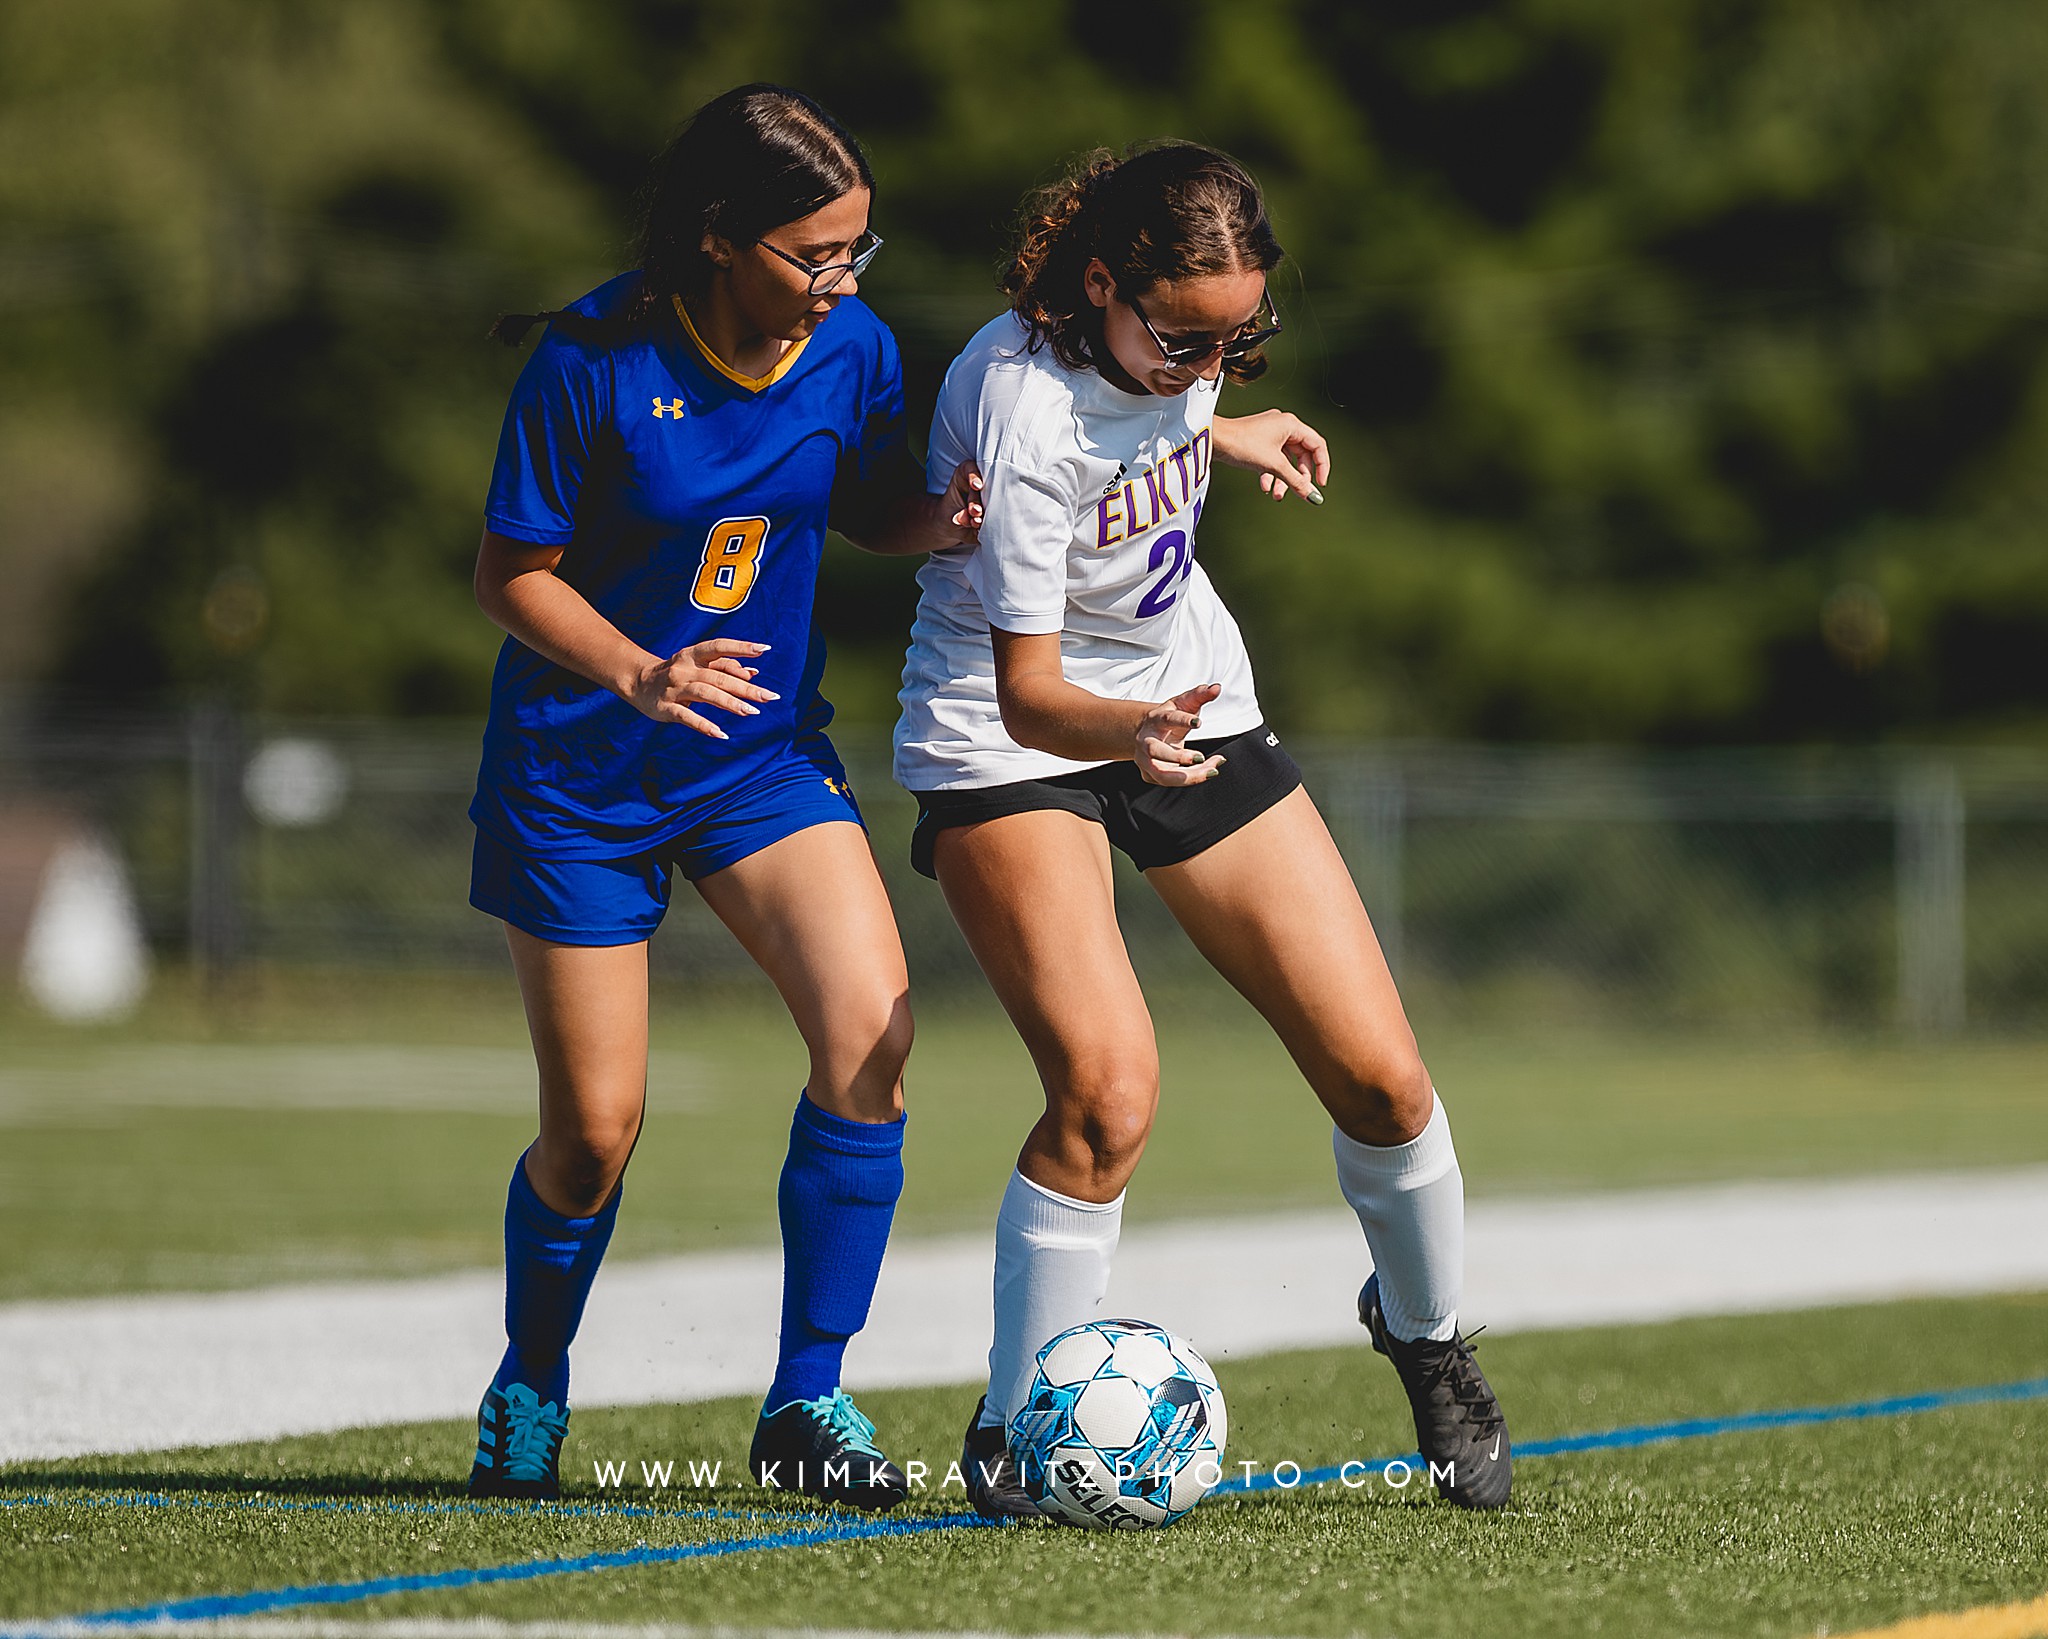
<point x="550" y="1262"/>
<point x="837" y="1199"/>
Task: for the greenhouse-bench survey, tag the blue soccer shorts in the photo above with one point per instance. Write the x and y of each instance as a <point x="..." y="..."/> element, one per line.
<point x="622" y="901"/>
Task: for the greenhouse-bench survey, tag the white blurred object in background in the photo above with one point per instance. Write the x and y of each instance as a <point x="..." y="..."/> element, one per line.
<point x="295" y="782"/>
<point x="84" y="958"/>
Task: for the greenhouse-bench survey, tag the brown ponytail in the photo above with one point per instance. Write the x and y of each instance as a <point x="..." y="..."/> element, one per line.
<point x="1164" y="211"/>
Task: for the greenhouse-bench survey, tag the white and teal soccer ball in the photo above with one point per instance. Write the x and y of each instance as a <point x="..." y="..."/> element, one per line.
<point x="1122" y="1429"/>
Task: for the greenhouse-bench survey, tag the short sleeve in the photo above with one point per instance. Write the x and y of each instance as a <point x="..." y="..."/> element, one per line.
<point x="1020" y="571"/>
<point x="551" y="429"/>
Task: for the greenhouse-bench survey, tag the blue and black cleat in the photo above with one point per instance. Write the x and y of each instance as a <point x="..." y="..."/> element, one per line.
<point x="518" y="1445"/>
<point x="825" y="1448"/>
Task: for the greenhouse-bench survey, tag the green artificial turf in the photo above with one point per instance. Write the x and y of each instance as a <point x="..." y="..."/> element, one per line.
<point x="368" y="1129"/>
<point x="1774" y="1532"/>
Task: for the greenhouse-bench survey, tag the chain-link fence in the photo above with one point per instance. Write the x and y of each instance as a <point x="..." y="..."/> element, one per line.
<point x="1705" y="888"/>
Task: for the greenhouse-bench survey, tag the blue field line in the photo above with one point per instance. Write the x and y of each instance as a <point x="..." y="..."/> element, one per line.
<point x="1691" y="1428"/>
<point x="215" y="1606"/>
<point x="381" y="1505"/>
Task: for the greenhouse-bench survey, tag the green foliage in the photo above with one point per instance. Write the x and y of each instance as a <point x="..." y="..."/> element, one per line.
<point x="1684" y="363"/>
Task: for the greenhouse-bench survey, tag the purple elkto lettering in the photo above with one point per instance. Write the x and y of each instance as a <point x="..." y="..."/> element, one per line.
<point x="1108" y="521"/>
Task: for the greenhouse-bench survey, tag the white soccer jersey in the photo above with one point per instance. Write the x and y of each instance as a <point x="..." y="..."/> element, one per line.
<point x="1089" y="508"/>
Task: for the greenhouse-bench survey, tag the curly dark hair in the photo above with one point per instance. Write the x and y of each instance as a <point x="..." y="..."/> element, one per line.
<point x="748" y="161"/>
<point x="1162" y="211"/>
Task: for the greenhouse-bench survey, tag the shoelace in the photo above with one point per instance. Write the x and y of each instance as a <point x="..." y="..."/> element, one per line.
<point x="838" y="1413"/>
<point x="532" y="1435"/>
<point x="1468" y="1388"/>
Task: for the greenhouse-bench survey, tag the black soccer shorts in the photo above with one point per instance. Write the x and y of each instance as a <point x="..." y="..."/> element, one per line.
<point x="1153" y="824"/>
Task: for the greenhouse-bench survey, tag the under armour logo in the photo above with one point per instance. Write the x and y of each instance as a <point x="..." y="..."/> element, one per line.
<point x="1272" y="739"/>
<point x="671" y="406"/>
<point x="839" y="787"/>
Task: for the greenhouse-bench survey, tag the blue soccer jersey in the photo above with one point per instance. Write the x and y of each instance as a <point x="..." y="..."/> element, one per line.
<point x="691" y="503"/>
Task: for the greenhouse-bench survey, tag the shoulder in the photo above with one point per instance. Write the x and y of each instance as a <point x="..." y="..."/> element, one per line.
<point x="592" y="330"/>
<point x="1026" y="397"/>
<point x="608" y="300"/>
<point x="857" y="331"/>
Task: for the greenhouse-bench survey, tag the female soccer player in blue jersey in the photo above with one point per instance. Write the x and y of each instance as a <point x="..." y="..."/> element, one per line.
<point x="1054" y="678"/>
<point x="673" y="452"/>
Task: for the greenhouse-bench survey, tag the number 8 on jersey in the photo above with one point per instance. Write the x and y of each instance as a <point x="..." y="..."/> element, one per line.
<point x="732" y="558"/>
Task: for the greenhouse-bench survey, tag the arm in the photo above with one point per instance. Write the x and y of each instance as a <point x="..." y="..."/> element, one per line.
<point x="516" y="585"/>
<point x="1285" y="451"/>
<point x="891" y="515"/>
<point x="1045" y="712"/>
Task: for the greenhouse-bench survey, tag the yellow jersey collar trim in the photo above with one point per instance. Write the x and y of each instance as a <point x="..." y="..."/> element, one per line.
<point x="753" y="384"/>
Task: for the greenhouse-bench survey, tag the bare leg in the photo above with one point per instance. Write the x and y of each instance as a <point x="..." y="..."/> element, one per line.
<point x="1032" y="893"/>
<point x="1274" y="910"/>
<point x="811" y="909"/>
<point x="586" y="1009"/>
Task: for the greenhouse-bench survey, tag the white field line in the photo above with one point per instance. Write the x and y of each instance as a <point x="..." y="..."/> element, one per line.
<point x="150" y="1372"/>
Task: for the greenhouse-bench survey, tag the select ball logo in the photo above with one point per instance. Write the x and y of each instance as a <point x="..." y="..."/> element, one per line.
<point x="1123" y="1427"/>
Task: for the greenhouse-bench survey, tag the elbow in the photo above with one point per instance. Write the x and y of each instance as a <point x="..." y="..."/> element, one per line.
<point x="1024" y="724"/>
<point x="490" y="596"/>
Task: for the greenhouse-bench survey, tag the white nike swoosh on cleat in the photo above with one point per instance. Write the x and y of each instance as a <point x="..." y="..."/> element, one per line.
<point x="1493" y="1456"/>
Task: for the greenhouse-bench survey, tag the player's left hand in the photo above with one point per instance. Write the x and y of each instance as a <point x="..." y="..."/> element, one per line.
<point x="959" y="508"/>
<point x="1284" y="450"/>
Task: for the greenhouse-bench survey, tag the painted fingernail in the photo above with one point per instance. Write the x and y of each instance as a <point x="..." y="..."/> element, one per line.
<point x="1315" y="496"/>
<point x="770" y="694"/>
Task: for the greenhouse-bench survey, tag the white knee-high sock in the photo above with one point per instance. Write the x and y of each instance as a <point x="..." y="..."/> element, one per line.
<point x="1410" y="1200"/>
<point x="1052" y="1268"/>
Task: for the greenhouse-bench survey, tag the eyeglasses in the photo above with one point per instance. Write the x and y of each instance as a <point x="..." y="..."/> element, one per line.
<point x="1186" y="355"/>
<point x="833" y="274"/>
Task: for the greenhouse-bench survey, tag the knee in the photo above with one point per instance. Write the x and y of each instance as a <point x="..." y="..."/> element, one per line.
<point x="575" y="1167"/>
<point x="1107" y="1112"/>
<point x="857" y="1064"/>
<point x="894" y="1031"/>
<point x="1390" y="1104"/>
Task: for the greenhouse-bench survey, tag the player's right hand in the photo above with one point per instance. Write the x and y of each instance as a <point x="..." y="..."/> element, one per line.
<point x="1162" y="754"/>
<point x="712" y="673"/>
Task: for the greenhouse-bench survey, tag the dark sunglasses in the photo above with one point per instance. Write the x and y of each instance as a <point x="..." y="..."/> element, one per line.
<point x="1186" y="355"/>
<point x="832" y="275"/>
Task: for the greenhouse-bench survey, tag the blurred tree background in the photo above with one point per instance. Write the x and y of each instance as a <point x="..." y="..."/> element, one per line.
<point x="1686" y="364"/>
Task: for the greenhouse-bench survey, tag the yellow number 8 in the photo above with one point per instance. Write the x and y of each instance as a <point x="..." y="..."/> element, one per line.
<point x="732" y="558"/>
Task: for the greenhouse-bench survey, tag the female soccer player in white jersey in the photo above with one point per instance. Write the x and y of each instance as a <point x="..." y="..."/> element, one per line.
<point x="1075" y="684"/>
<point x="668" y="464"/>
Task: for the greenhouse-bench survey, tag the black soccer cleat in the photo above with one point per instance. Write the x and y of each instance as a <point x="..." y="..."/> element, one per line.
<point x="995" y="1489"/>
<point x="825" y="1448"/>
<point x="518" y="1445"/>
<point x="1459" y="1427"/>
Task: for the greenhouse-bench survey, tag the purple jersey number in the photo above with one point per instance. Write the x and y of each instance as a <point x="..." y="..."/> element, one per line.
<point x="1179" y="545"/>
